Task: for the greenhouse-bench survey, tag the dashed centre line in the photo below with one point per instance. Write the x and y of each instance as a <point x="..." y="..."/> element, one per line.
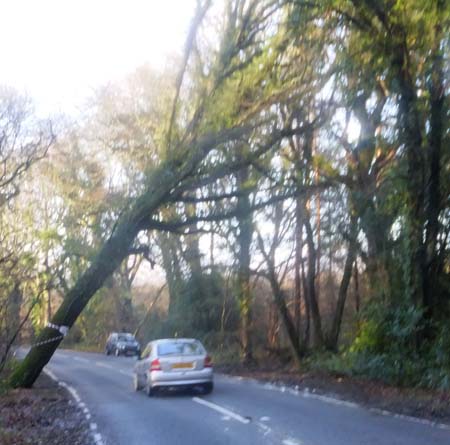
<point x="221" y="410"/>
<point x="104" y="365"/>
<point x="291" y="442"/>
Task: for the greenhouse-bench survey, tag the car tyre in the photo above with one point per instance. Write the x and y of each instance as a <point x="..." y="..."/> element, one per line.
<point x="208" y="387"/>
<point x="136" y="385"/>
<point x="149" y="390"/>
<point x="107" y="351"/>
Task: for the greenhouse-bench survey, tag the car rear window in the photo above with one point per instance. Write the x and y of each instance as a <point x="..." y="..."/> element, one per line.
<point x="180" y="348"/>
<point x="126" y="337"/>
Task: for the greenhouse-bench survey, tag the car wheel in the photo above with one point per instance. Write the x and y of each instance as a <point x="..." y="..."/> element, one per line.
<point x="107" y="351"/>
<point x="136" y="385"/>
<point x="208" y="387"/>
<point x="149" y="390"/>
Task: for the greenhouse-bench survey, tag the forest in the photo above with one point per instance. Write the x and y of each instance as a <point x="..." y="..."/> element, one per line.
<point x="280" y="190"/>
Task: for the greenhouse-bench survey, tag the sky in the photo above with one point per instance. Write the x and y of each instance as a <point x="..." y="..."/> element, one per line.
<point x="59" y="51"/>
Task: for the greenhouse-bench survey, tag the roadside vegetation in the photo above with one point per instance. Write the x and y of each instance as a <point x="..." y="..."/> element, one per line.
<point x="281" y="193"/>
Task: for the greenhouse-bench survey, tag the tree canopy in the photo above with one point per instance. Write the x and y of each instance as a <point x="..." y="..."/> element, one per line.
<point x="289" y="179"/>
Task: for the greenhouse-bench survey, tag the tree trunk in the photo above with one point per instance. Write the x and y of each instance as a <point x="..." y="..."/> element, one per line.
<point x="244" y="239"/>
<point x="433" y="196"/>
<point x="192" y="252"/>
<point x="280" y="300"/>
<point x="171" y="266"/>
<point x="167" y="181"/>
<point x="356" y="290"/>
<point x="307" y="333"/>
<point x="109" y="258"/>
<point x="298" y="261"/>
<point x="410" y="130"/>
<point x="114" y="251"/>
<point x="333" y="337"/>
<point x="288" y="323"/>
<point x="311" y="287"/>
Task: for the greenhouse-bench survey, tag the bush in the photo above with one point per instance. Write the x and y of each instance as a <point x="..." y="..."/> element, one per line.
<point x="387" y="348"/>
<point x="8" y="369"/>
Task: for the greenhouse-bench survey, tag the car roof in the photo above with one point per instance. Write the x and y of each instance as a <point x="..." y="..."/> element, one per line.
<point x="171" y="340"/>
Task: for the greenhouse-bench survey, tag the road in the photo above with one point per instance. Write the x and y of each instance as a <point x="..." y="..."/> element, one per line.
<point x="237" y="412"/>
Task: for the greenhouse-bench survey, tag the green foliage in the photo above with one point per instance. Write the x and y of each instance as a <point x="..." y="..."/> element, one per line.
<point x="386" y="348"/>
<point x="437" y="374"/>
<point x="109" y="310"/>
<point x="337" y="364"/>
<point x="198" y="312"/>
<point x="8" y="369"/>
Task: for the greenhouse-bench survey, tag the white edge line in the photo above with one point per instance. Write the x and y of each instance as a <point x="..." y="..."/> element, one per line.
<point x="221" y="409"/>
<point x="383" y="412"/>
<point x="51" y="375"/>
<point x="307" y="393"/>
<point x="81" y="405"/>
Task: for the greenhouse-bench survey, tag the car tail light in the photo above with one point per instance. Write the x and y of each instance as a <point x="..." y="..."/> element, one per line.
<point x="208" y="362"/>
<point x="155" y="365"/>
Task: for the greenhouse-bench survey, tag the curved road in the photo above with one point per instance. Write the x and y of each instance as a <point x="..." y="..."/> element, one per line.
<point x="237" y="412"/>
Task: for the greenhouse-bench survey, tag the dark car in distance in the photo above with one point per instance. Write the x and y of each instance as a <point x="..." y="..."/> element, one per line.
<point x="122" y="343"/>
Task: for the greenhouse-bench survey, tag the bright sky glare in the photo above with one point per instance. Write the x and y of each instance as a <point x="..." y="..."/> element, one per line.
<point x="58" y="51"/>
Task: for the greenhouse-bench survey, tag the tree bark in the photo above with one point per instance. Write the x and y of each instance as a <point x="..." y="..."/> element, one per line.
<point x="113" y="252"/>
<point x="244" y="239"/>
<point x="333" y="336"/>
<point x="288" y="323"/>
<point x="311" y="287"/>
<point x="433" y="195"/>
<point x="298" y="261"/>
<point x="280" y="302"/>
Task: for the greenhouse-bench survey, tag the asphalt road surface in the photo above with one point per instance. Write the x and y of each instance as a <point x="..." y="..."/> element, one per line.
<point x="237" y="412"/>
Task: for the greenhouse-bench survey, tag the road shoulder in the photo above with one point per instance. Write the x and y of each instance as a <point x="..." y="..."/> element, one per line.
<point x="431" y="405"/>
<point x="45" y="414"/>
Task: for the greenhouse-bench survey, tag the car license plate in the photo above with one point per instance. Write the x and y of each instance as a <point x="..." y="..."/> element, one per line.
<point x="182" y="365"/>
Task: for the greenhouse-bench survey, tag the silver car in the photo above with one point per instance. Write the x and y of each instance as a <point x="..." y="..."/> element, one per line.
<point x="173" y="362"/>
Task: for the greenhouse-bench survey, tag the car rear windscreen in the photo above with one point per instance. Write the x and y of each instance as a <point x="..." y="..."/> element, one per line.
<point x="126" y="337"/>
<point x="180" y="348"/>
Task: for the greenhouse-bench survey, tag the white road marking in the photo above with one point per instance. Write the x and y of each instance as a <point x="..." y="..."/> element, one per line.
<point x="264" y="419"/>
<point x="267" y="430"/>
<point x="128" y="374"/>
<point x="103" y="365"/>
<point x="51" y="375"/>
<point x="81" y="359"/>
<point x="98" y="439"/>
<point x="307" y="393"/>
<point x="442" y="426"/>
<point x="327" y="399"/>
<point x="291" y="442"/>
<point x="81" y="405"/>
<point x="221" y="409"/>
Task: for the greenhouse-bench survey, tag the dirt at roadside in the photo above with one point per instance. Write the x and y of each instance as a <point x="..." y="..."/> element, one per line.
<point x="45" y="415"/>
<point x="427" y="404"/>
